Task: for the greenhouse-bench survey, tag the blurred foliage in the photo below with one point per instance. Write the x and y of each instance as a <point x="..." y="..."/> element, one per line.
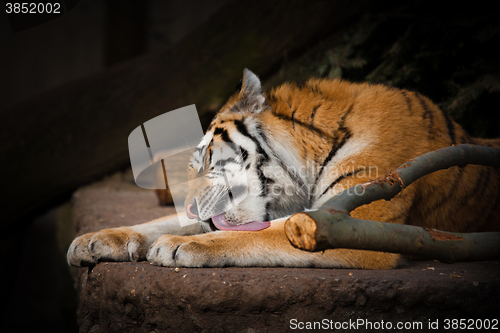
<point x="448" y="53"/>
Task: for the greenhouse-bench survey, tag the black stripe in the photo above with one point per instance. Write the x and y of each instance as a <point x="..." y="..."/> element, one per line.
<point x="244" y="154"/>
<point x="291" y="174"/>
<point x="427" y="112"/>
<point x="265" y="180"/>
<point x="451" y="127"/>
<point x="452" y="187"/>
<point x="336" y="181"/>
<point x="241" y="127"/>
<point x="344" y="116"/>
<point x="293" y="119"/>
<point x="225" y="137"/>
<point x="485" y="182"/>
<point x="337" y="145"/>
<point x="408" y="102"/>
<point x="313" y="114"/>
<point x="333" y="151"/>
<point x="481" y="182"/>
<point x="262" y="134"/>
<point x="229" y="192"/>
<point x="222" y="163"/>
<point x="314" y="88"/>
<point x="218" y="131"/>
<point x="267" y="216"/>
<point x="271" y="98"/>
<point x="201" y="154"/>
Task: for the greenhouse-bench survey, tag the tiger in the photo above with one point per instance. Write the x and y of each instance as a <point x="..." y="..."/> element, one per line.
<point x="315" y="138"/>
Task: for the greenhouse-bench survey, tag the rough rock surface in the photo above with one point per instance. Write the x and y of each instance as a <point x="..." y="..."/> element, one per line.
<point x="124" y="297"/>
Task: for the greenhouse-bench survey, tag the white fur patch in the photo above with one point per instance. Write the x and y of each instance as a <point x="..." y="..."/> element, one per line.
<point x="205" y="140"/>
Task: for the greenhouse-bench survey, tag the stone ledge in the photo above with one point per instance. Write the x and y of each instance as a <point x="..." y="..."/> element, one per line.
<point x="142" y="297"/>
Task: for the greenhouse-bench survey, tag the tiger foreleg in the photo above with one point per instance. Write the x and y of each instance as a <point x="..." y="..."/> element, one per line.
<point x="265" y="248"/>
<point x="124" y="243"/>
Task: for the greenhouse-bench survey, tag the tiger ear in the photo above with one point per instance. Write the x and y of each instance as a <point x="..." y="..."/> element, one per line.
<point x="250" y="84"/>
<point x="251" y="92"/>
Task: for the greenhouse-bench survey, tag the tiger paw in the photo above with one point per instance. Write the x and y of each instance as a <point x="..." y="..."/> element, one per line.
<point x="119" y="244"/>
<point x="178" y="251"/>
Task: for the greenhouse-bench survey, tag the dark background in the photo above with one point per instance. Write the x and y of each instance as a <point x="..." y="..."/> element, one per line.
<point x="87" y="78"/>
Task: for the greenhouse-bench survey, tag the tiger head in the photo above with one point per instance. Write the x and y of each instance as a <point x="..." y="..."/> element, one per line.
<point x="240" y="169"/>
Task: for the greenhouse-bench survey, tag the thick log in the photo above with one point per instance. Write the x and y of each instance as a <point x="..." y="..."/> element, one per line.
<point x="332" y="227"/>
<point x="77" y="133"/>
<point x="318" y="231"/>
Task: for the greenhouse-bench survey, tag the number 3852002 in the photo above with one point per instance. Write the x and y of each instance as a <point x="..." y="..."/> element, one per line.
<point x="32" y="8"/>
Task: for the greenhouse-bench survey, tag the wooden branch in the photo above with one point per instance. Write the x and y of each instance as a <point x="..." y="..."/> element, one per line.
<point x="333" y="227"/>
<point x="321" y="230"/>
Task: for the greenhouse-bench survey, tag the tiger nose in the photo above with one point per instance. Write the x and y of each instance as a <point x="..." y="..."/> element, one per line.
<point x="192" y="210"/>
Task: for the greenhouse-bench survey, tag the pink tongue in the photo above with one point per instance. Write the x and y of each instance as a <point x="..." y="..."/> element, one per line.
<point x="221" y="224"/>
